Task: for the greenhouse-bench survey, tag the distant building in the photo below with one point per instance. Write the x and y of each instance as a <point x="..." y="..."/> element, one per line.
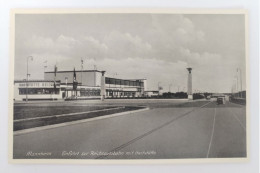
<point x="154" y="93"/>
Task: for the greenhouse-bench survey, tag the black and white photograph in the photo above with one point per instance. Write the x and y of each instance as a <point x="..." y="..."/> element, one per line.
<point x="129" y="85"/>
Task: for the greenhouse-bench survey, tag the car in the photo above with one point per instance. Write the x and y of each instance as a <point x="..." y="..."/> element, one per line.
<point x="221" y="100"/>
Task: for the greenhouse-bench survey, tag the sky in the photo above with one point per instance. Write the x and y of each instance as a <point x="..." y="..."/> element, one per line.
<point x="158" y="47"/>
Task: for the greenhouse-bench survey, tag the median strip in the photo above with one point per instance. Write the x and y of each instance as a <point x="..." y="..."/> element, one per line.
<point x="64" y="115"/>
<point x="30" y="130"/>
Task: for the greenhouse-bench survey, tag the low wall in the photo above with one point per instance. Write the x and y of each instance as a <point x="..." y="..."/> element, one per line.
<point x="240" y="101"/>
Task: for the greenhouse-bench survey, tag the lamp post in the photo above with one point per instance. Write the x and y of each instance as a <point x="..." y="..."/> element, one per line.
<point x="82" y="62"/>
<point x="170" y="87"/>
<point x="239" y="69"/>
<point x="159" y="86"/>
<point x="27" y="75"/>
<point x="95" y="68"/>
<point x="45" y="66"/>
<point x="236" y="83"/>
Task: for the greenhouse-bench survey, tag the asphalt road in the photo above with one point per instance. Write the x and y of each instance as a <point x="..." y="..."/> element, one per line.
<point x="214" y="131"/>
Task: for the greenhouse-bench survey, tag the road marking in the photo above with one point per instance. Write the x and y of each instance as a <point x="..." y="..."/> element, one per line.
<point x="64" y="115"/>
<point x="150" y="132"/>
<point x="234" y="115"/>
<point x="25" y="131"/>
<point x="212" y="132"/>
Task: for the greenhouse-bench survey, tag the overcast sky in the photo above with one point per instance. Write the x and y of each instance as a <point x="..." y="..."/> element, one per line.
<point x="158" y="47"/>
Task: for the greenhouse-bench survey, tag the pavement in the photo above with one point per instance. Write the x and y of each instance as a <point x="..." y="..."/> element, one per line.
<point x="162" y="132"/>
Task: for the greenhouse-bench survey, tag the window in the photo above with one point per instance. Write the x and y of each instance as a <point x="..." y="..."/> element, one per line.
<point x="38" y="91"/>
<point x="112" y="81"/>
<point x="118" y="81"/>
<point x="126" y="82"/>
<point x="107" y="80"/>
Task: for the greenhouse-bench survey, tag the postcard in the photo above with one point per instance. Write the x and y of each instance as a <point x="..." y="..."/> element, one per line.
<point x="128" y="86"/>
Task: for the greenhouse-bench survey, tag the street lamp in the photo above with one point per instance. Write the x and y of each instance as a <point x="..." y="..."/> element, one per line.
<point x="45" y="66"/>
<point x="170" y="87"/>
<point x="239" y="69"/>
<point x="236" y="83"/>
<point x="27" y="75"/>
<point x="159" y="86"/>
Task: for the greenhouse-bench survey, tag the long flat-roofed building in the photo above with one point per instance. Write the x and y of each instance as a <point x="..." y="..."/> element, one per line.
<point x="85" y="84"/>
<point x="89" y="84"/>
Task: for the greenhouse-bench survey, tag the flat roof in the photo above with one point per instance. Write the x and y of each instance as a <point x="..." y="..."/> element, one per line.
<point x="125" y="79"/>
<point x="19" y="81"/>
<point x="72" y="71"/>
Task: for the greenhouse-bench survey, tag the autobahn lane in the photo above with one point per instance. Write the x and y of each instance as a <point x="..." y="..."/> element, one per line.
<point x="172" y="132"/>
<point x="229" y="138"/>
<point x="100" y="135"/>
<point x="188" y="137"/>
<point x="212" y="132"/>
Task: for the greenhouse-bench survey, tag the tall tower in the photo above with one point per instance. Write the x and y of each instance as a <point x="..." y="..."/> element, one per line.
<point x="103" y="86"/>
<point x="189" y="87"/>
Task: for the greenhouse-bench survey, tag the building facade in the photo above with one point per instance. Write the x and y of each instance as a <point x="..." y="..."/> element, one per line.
<point x="37" y="90"/>
<point x="85" y="84"/>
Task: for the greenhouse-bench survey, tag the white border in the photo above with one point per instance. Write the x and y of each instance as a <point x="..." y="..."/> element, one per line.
<point x="121" y="10"/>
<point x="251" y="5"/>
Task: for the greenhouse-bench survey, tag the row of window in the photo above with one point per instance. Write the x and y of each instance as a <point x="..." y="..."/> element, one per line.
<point x="125" y="93"/>
<point x="123" y="82"/>
<point x="36" y="84"/>
<point x="90" y="93"/>
<point x="34" y="91"/>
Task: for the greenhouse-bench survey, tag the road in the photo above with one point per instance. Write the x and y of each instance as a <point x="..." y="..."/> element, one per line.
<point x="163" y="132"/>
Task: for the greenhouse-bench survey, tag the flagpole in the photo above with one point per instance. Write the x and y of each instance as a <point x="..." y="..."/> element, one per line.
<point x="27" y="75"/>
<point x="44" y="67"/>
<point x="81" y="70"/>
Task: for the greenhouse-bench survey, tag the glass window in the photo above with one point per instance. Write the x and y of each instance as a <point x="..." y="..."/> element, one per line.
<point x="107" y="80"/>
<point x="118" y="81"/>
<point x="127" y="82"/>
<point x="112" y="81"/>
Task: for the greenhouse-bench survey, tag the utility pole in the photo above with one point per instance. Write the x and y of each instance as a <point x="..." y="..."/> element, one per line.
<point x="27" y="76"/>
<point x="45" y="66"/>
<point x="170" y="87"/>
<point x="81" y="70"/>
<point x="159" y="86"/>
<point x="95" y="69"/>
<point x="241" y="89"/>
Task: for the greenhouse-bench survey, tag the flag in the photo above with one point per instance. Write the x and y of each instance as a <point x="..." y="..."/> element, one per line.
<point x="74" y="75"/>
<point x="82" y="63"/>
<point x="55" y="70"/>
<point x="75" y="83"/>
